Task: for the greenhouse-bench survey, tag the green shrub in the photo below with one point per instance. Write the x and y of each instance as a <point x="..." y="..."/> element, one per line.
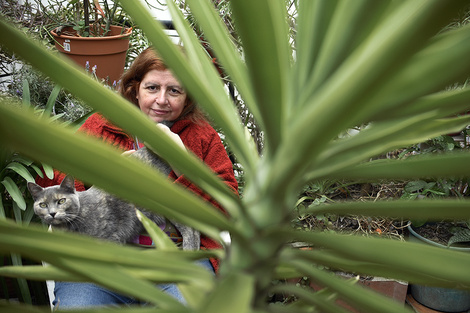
<point x="355" y="63"/>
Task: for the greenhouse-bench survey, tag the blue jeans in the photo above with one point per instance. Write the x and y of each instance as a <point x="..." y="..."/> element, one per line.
<point x="73" y="295"/>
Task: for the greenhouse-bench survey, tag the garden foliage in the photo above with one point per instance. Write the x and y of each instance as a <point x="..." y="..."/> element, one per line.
<point x="379" y="63"/>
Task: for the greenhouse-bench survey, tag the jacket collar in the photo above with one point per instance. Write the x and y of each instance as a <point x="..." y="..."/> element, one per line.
<point x="177" y="127"/>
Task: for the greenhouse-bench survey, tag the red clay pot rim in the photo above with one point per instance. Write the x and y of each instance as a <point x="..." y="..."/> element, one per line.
<point x="127" y="32"/>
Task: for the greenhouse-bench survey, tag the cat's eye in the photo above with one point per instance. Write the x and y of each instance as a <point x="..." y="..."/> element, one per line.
<point x="42" y="205"/>
<point x="61" y="201"/>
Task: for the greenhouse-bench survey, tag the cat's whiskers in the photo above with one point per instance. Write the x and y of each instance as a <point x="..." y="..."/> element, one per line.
<point x="73" y="219"/>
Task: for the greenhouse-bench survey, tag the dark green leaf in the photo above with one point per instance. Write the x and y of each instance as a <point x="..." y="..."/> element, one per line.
<point x="14" y="192"/>
<point x="20" y="170"/>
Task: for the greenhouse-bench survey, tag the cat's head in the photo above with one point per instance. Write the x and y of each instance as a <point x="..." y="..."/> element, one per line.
<point x="56" y="205"/>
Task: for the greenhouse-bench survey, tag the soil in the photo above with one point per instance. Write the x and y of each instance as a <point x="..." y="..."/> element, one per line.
<point x="368" y="226"/>
<point x="440" y="232"/>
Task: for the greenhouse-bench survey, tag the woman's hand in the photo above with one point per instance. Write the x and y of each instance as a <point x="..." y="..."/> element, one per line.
<point x="128" y="152"/>
<point x="175" y="137"/>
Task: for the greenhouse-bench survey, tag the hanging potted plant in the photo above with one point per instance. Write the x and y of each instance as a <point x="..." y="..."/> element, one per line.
<point x="96" y="44"/>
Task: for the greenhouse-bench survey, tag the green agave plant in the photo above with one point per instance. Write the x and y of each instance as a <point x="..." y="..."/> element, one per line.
<point x="359" y="62"/>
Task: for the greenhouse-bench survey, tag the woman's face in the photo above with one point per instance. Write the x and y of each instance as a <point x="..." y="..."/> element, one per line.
<point x="161" y="96"/>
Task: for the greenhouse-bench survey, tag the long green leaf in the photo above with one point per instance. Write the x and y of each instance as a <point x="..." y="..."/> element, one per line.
<point x="452" y="164"/>
<point x="10" y="307"/>
<point x="224" y="49"/>
<point x="432" y="209"/>
<point x="20" y="170"/>
<point x="268" y="71"/>
<point x="50" y="272"/>
<point x="53" y="248"/>
<point x="323" y="300"/>
<point x="159" y="237"/>
<point x="26" y="94"/>
<point x="313" y="21"/>
<point x="14" y="192"/>
<point x="369" y="56"/>
<point x="22" y="283"/>
<point x="348" y="28"/>
<point x="382" y="137"/>
<point x="192" y="294"/>
<point x="337" y="262"/>
<point x="48" y="170"/>
<point x="365" y="249"/>
<point x="22" y="240"/>
<point x="2" y="209"/>
<point x="362" y="298"/>
<point x="17" y="213"/>
<point x="22" y="159"/>
<point x="445" y="103"/>
<point x="120" y="280"/>
<point x="51" y="100"/>
<point x="438" y="57"/>
<point x="223" y="110"/>
<point x="198" y="57"/>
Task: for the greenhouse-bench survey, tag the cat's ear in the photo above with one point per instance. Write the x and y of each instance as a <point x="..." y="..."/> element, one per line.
<point x="34" y="190"/>
<point x="68" y="184"/>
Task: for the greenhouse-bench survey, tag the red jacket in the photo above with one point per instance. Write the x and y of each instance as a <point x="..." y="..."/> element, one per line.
<point x="202" y="140"/>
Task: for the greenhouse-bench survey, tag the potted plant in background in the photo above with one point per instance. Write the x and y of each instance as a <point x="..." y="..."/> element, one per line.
<point x="445" y="234"/>
<point x="98" y="45"/>
<point x="438" y="298"/>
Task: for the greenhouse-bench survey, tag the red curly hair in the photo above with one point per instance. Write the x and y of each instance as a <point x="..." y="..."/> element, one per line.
<point x="130" y="81"/>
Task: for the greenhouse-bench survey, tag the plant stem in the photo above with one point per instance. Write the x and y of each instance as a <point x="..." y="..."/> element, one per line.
<point x="109" y="19"/>
<point x="86" y="5"/>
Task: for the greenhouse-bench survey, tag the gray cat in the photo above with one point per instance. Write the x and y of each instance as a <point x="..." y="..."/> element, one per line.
<point x="96" y="213"/>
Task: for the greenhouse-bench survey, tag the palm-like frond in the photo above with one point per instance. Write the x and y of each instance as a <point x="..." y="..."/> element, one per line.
<point x="355" y="62"/>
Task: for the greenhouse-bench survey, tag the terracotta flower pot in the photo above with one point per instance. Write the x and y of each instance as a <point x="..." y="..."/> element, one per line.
<point x="107" y="53"/>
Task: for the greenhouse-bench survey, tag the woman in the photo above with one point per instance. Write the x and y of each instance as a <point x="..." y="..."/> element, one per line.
<point x="151" y="86"/>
